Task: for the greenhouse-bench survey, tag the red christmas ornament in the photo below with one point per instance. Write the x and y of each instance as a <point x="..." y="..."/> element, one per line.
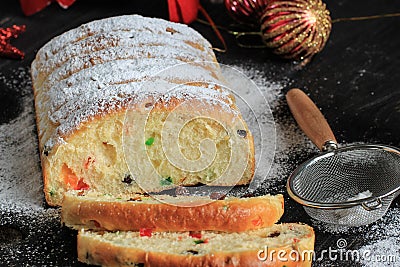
<point x="183" y="11"/>
<point x="30" y="7"/>
<point x="246" y="11"/>
<point x="296" y="29"/>
<point x="6" y="49"/>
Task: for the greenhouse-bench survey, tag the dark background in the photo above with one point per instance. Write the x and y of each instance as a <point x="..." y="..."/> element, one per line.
<point x="360" y="108"/>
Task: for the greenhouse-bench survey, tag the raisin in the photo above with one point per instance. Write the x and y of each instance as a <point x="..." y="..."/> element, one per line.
<point x="193" y="252"/>
<point x="46" y="150"/>
<point x="274" y="234"/>
<point x="127" y="179"/>
<point x="242" y="133"/>
<point x="135" y="199"/>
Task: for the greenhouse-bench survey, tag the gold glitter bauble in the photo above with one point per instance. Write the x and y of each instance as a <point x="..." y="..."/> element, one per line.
<point x="296" y="29"/>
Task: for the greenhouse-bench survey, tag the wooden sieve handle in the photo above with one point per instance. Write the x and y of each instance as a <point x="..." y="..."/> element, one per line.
<point x="310" y="118"/>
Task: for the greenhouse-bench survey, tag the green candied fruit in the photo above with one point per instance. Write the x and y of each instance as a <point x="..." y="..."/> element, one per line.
<point x="199" y="241"/>
<point x="52" y="193"/>
<point x="149" y="141"/>
<point x="166" y="181"/>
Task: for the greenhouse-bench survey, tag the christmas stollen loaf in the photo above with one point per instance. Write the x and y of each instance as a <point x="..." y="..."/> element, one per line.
<point x="131" y="104"/>
<point x="97" y="211"/>
<point x="275" y="246"/>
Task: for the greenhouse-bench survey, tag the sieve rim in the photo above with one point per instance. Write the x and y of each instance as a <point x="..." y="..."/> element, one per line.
<point x="345" y="204"/>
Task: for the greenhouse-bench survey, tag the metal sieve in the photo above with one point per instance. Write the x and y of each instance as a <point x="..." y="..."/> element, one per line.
<point x="350" y="186"/>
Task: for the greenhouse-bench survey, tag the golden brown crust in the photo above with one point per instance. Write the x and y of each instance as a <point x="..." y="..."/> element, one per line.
<point x="99" y="252"/>
<point x="235" y="259"/>
<point x="230" y="215"/>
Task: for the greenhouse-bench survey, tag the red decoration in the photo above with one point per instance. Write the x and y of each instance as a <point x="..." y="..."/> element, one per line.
<point x="246" y="11"/>
<point x="183" y="11"/>
<point x="30" y="7"/>
<point x="6" y="49"/>
<point x="145" y="232"/>
<point x="296" y="29"/>
<point x="82" y="185"/>
<point x="195" y="234"/>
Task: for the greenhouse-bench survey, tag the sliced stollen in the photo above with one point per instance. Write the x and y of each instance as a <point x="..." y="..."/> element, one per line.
<point x="124" y="105"/>
<point x="93" y="210"/>
<point x="292" y="242"/>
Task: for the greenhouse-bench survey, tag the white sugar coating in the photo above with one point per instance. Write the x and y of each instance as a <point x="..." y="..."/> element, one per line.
<point x="127" y="39"/>
<point x="122" y="23"/>
<point x="88" y="82"/>
<point x="77" y="64"/>
<point x="121" y="72"/>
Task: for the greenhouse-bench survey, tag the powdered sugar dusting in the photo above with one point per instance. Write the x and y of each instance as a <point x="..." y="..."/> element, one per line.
<point x="44" y="242"/>
<point x="383" y="240"/>
<point x="126" y="39"/>
<point x="28" y="231"/>
<point x="79" y="86"/>
<point x="20" y="175"/>
<point x="289" y="138"/>
<point x="121" y="23"/>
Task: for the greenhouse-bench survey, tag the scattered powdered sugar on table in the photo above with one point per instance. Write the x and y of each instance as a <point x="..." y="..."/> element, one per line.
<point x="42" y="241"/>
<point x="20" y="176"/>
<point x="28" y="230"/>
<point x="383" y="241"/>
<point x="290" y="146"/>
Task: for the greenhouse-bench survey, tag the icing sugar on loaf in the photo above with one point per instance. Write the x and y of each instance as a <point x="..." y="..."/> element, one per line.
<point x="85" y="81"/>
<point x="76" y="63"/>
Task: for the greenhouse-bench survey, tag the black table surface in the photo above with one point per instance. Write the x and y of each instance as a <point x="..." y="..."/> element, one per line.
<point x="354" y="80"/>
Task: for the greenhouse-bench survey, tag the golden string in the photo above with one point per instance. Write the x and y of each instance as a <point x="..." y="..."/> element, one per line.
<point x="239" y="34"/>
<point x="367" y="17"/>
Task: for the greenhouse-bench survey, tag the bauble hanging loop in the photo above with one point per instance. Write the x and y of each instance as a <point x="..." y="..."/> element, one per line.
<point x="296" y="29"/>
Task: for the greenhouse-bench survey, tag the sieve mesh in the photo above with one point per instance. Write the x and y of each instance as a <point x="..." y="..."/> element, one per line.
<point x="329" y="180"/>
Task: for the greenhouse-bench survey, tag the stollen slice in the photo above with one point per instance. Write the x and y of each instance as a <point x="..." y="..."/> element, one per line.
<point x="292" y="242"/>
<point x="98" y="211"/>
